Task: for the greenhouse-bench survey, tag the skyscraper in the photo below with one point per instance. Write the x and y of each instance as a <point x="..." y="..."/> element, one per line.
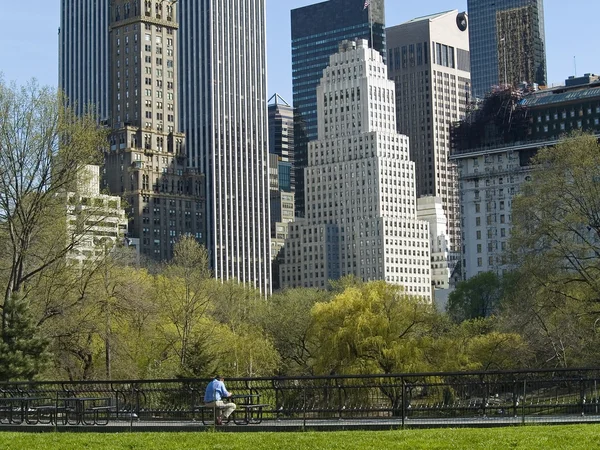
<point x="428" y="58"/>
<point x="281" y="140"/>
<point x="507" y="41"/>
<point x="224" y="116"/>
<point x="145" y="161"/>
<point x="83" y="54"/>
<point x="316" y="32"/>
<point x="361" y="214"/>
<point x="222" y="111"/>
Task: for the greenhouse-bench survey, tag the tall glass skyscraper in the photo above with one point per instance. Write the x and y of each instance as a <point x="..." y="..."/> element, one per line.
<point x="317" y="31"/>
<point x="83" y="54"/>
<point x="507" y="41"/>
<point x="224" y="116"/>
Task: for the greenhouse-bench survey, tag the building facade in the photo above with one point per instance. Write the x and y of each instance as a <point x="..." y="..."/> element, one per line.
<point x="281" y="140"/>
<point x="430" y="209"/>
<point x="208" y="130"/>
<point x="224" y="115"/>
<point x="145" y="161"/>
<point x="508" y="44"/>
<point x="98" y="219"/>
<point x="84" y="55"/>
<point x="361" y="214"/>
<point x="316" y="32"/>
<point x="428" y="59"/>
<point x="494" y="159"/>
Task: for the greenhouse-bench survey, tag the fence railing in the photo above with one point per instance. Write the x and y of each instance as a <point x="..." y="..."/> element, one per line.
<point x="427" y="399"/>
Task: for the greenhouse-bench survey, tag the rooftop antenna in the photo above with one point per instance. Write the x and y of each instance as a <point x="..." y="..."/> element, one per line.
<point x="575" y="64"/>
<point x="368" y="5"/>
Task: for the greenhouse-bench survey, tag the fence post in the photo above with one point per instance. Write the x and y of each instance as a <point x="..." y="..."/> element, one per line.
<point x="304" y="408"/>
<point x="340" y="402"/>
<point x="523" y="402"/>
<point x="582" y="395"/>
<point x="131" y="409"/>
<point x="403" y="401"/>
<point x="56" y="413"/>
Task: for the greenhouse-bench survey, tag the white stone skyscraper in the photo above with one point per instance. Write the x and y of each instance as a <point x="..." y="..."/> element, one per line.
<point x="361" y="214"/>
<point x="224" y="116"/>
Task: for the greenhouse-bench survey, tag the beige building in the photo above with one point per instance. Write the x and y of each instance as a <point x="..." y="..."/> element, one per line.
<point x="96" y="221"/>
<point x="146" y="160"/>
<point x="428" y="59"/>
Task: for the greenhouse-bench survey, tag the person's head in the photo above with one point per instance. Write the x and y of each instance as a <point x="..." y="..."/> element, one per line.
<point x="219" y="377"/>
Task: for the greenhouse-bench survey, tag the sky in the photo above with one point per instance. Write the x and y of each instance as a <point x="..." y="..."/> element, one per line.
<point x="29" y="38"/>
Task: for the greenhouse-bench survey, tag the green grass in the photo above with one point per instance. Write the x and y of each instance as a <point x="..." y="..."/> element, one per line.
<point x="531" y="437"/>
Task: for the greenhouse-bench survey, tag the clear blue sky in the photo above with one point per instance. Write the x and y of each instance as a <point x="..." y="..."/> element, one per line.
<point x="29" y="38"/>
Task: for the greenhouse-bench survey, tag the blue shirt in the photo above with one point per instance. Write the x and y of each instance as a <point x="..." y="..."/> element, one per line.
<point x="215" y="391"/>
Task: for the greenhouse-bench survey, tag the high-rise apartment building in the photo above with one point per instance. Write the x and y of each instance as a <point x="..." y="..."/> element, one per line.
<point x="145" y="161"/>
<point x="508" y="46"/>
<point x="428" y="59"/>
<point x="316" y="32"/>
<point x="224" y="115"/>
<point x="493" y="148"/>
<point x="361" y="214"/>
<point x="218" y="100"/>
<point x="84" y="55"/>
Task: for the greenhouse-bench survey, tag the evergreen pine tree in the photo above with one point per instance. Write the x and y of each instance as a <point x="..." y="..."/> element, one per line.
<point x="23" y="353"/>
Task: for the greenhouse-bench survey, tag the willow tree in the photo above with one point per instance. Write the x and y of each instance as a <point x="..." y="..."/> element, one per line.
<point x="44" y="147"/>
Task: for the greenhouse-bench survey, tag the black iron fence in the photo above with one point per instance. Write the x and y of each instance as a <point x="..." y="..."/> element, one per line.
<point x="378" y="401"/>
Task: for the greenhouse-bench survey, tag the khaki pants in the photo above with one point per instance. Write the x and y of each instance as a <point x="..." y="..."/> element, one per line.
<point x="223" y="409"/>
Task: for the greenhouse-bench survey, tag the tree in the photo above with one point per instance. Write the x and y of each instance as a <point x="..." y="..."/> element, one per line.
<point x="372" y="328"/>
<point x="184" y="298"/>
<point x="558" y="330"/>
<point x="43" y="149"/>
<point x="556" y="219"/>
<point x="474" y="298"/>
<point x="288" y="320"/>
<point x="23" y="354"/>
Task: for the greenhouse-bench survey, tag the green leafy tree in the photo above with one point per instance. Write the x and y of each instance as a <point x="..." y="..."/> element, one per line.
<point x="288" y="320"/>
<point x="183" y="293"/>
<point x="44" y="148"/>
<point x="372" y="328"/>
<point x="556" y="219"/>
<point x="476" y="297"/>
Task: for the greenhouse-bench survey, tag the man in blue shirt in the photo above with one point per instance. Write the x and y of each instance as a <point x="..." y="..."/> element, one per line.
<point x="214" y="395"/>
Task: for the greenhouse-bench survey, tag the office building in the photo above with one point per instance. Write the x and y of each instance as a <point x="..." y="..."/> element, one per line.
<point x="428" y="59"/>
<point x="84" y="55"/>
<point x="212" y="116"/>
<point x="145" y="161"/>
<point x="493" y="148"/>
<point x="508" y="44"/>
<point x="281" y="140"/>
<point x="224" y="115"/>
<point x="361" y="216"/>
<point x="430" y="210"/>
<point x="316" y="32"/>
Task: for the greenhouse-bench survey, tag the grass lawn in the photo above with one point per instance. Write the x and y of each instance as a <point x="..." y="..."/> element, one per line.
<point x="530" y="437"/>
